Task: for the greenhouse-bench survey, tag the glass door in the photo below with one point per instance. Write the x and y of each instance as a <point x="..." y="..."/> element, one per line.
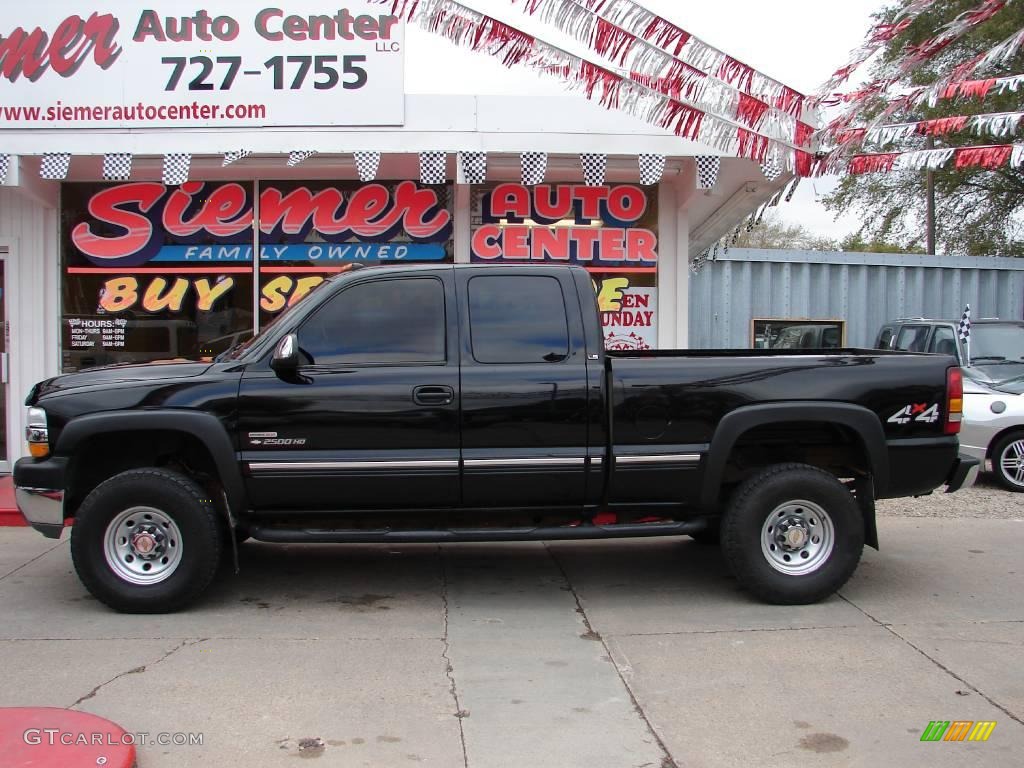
<point x="4" y="368"/>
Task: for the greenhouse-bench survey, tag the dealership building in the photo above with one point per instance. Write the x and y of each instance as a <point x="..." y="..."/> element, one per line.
<point x="157" y="202"/>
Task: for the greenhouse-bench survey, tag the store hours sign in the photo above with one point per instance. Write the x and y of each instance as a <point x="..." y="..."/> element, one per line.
<point x="76" y="64"/>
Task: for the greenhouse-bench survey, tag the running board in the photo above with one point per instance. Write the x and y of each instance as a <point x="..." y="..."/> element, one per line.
<point x="562" y="533"/>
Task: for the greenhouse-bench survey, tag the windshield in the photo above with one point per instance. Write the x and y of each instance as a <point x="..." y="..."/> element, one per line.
<point x="997" y="342"/>
<point x="238" y="350"/>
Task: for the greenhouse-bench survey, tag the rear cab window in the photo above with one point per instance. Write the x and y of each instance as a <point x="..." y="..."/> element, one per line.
<point x="518" y="319"/>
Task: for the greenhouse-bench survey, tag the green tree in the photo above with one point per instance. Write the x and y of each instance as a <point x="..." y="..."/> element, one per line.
<point x="774" y="233"/>
<point x="978" y="213"/>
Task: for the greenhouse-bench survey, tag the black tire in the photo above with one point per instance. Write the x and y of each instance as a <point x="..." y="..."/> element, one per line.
<point x="178" y="498"/>
<point x="1010" y="447"/>
<point x="746" y="522"/>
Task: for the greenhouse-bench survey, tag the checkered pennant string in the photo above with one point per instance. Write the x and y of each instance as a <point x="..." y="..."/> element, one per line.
<point x="708" y="167"/>
<point x="234" y="156"/>
<point x="792" y="189"/>
<point x="5" y="163"/>
<point x="535" y="167"/>
<point x="771" y="168"/>
<point x="55" y="166"/>
<point x="176" y="168"/>
<point x="652" y="169"/>
<point x="117" y="167"/>
<point x="294" y="158"/>
<point x="595" y="167"/>
<point x="472" y="167"/>
<point x="367" y="163"/>
<point x="433" y="167"/>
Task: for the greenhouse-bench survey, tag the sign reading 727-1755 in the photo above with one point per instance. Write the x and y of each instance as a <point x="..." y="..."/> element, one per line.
<point x="233" y="64"/>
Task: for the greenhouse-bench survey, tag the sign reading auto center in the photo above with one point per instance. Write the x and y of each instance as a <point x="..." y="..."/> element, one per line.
<point x="117" y="64"/>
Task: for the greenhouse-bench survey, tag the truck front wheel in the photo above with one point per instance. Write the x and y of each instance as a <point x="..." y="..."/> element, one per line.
<point x="146" y="541"/>
<point x="792" y="534"/>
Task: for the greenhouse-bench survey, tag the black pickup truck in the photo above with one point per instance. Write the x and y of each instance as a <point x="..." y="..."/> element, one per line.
<point x="453" y="404"/>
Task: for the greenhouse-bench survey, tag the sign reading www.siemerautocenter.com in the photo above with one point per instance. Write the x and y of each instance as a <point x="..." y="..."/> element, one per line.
<point x="119" y="64"/>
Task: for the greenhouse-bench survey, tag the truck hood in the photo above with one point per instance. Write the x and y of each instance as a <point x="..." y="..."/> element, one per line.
<point x="115" y="375"/>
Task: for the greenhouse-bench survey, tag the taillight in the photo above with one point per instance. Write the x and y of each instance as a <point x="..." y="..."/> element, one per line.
<point x="954" y="401"/>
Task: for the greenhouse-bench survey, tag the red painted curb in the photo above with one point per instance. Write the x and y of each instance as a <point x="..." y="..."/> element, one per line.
<point x="44" y="737"/>
<point x="12" y="518"/>
<point x="9" y="514"/>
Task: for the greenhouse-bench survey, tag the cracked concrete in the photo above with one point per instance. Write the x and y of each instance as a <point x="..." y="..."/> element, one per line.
<point x="641" y="653"/>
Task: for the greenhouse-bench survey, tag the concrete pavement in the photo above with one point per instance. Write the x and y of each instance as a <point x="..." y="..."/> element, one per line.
<point x="639" y="653"/>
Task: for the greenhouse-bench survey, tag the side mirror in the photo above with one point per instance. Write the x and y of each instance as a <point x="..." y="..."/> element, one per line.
<point x="285" y="361"/>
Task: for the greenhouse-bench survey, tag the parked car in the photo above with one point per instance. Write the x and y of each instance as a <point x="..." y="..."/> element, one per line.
<point x="997" y="346"/>
<point x="469" y="403"/>
<point x="993" y="428"/>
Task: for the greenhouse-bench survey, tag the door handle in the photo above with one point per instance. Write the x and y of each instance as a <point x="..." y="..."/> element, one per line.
<point x="433" y="395"/>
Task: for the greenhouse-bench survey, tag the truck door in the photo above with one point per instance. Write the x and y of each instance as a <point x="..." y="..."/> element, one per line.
<point x="371" y="422"/>
<point x="524" y="390"/>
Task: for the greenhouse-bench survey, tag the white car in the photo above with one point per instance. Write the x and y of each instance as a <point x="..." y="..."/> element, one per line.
<point x="993" y="428"/>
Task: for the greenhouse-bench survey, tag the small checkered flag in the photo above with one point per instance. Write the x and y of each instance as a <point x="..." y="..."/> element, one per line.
<point x="5" y="163"/>
<point x="472" y="167"/>
<point x="708" y="167"/>
<point x="595" y="168"/>
<point x="652" y="169"/>
<point x="367" y="163"/>
<point x="535" y="168"/>
<point x="433" y="168"/>
<point x="771" y="168"/>
<point x="117" y="167"/>
<point x="176" y="168"/>
<point x="55" y="166"/>
<point x="230" y="158"/>
<point x="300" y="156"/>
<point x="965" y="331"/>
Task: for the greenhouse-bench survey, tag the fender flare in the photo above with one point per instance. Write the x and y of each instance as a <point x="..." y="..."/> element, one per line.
<point x="864" y="423"/>
<point x="203" y="426"/>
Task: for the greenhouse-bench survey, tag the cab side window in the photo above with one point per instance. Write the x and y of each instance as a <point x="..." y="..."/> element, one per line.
<point x="943" y="342"/>
<point x="912" y="338"/>
<point x="885" y="340"/>
<point x="383" y="322"/>
<point x="518" y="319"/>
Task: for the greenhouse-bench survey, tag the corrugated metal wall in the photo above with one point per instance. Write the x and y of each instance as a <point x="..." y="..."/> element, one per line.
<point x="864" y="289"/>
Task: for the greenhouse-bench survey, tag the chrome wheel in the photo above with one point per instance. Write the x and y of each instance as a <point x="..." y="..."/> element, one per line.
<point x="1011" y="462"/>
<point x="797" y="538"/>
<point x="142" y="545"/>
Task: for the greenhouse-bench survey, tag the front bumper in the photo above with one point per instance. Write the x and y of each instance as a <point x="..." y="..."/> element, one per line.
<point x="39" y="494"/>
<point x="964" y="473"/>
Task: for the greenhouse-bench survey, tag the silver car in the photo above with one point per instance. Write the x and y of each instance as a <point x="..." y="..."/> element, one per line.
<point x="993" y="428"/>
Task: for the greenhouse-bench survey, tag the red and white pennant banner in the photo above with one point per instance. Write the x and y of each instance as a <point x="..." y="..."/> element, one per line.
<point x="684" y="47"/>
<point x="998" y="125"/>
<point x="470" y="29"/>
<point x="666" y="72"/>
<point x="986" y="158"/>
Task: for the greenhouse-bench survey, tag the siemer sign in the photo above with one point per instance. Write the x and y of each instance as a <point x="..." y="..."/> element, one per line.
<point x="116" y="64"/>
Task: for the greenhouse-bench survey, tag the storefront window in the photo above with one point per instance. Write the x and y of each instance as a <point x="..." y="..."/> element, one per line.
<point x="152" y="272"/>
<point x="612" y="231"/>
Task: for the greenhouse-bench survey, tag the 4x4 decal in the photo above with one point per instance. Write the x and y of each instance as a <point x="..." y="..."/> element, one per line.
<point x="915" y="412"/>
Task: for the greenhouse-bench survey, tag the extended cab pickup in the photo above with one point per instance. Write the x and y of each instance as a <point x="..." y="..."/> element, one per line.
<point x="448" y="404"/>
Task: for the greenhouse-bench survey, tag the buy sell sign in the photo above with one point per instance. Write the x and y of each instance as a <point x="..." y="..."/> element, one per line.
<point x="76" y="64"/>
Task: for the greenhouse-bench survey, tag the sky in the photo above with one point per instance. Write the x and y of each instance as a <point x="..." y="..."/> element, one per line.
<point x="799" y="42"/>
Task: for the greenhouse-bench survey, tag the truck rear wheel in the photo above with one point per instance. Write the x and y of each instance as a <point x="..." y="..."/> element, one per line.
<point x="792" y="534"/>
<point x="146" y="541"/>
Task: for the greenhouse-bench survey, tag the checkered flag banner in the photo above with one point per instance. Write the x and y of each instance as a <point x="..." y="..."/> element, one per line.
<point x="535" y="168"/>
<point x="472" y="167"/>
<point x="433" y="167"/>
<point x="367" y="163"/>
<point x="5" y="163"/>
<point x="965" y="325"/>
<point x="55" y="166"/>
<point x="652" y="169"/>
<point x="708" y="167"/>
<point x="294" y="158"/>
<point x="771" y="168"/>
<point x="117" y="167"/>
<point x="233" y="157"/>
<point x="595" y="167"/>
<point x="792" y="189"/>
<point x="176" y="168"/>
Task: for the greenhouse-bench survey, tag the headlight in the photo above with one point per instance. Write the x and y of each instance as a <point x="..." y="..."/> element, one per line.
<point x="37" y="433"/>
